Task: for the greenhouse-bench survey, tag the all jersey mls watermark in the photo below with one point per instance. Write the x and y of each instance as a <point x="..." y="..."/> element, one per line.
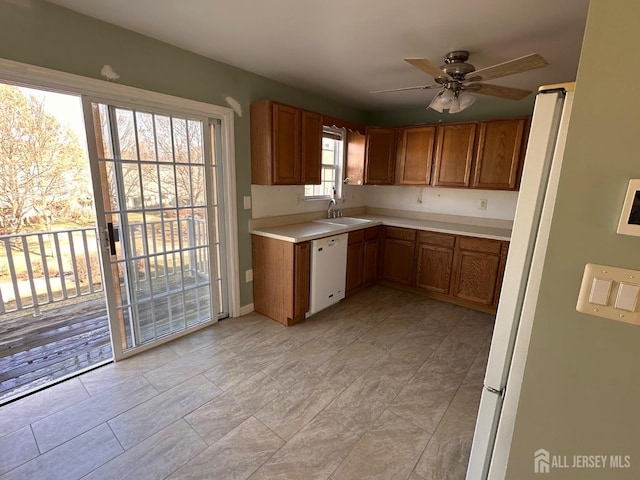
<point x="544" y="462"/>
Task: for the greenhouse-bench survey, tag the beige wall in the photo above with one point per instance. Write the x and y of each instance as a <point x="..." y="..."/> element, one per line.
<point x="581" y="391"/>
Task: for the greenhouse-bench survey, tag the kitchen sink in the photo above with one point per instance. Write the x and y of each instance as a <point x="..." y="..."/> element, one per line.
<point x="343" y="221"/>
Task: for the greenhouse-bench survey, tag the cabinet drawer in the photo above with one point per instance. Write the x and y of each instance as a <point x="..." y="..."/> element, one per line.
<point x="356" y="236"/>
<point x="480" y="245"/>
<point x="434" y="238"/>
<point x="371" y="233"/>
<point x="400" y="233"/>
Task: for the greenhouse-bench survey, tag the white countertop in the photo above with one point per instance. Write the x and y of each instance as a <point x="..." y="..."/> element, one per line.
<point x="302" y="232"/>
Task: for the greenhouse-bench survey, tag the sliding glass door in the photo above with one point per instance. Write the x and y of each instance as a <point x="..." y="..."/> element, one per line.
<point x="156" y="183"/>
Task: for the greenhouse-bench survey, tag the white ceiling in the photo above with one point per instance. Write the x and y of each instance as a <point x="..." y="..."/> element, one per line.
<point x="343" y="49"/>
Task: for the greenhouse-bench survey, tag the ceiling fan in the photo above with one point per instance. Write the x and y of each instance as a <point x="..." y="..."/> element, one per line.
<point x="457" y="78"/>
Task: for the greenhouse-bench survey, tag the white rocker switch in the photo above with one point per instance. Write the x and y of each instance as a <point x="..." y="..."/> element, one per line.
<point x="600" y="290"/>
<point x="627" y="296"/>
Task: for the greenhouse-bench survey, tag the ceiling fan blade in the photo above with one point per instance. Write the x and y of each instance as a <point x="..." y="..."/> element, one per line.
<point x="498" y="91"/>
<point x="428" y="67"/>
<point x="518" y="65"/>
<point x="420" y="87"/>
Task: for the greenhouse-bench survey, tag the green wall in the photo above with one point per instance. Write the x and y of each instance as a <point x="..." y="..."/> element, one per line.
<point x="484" y="108"/>
<point x="43" y="34"/>
<point x="581" y="390"/>
<point x="39" y="33"/>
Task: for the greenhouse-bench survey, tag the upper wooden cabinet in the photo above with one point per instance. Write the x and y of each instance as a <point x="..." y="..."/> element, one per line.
<point x="286" y="145"/>
<point x="354" y="169"/>
<point x="499" y="153"/>
<point x="380" y="155"/>
<point x="415" y="155"/>
<point x="286" y="149"/>
<point x="454" y="155"/>
<point x="311" y="147"/>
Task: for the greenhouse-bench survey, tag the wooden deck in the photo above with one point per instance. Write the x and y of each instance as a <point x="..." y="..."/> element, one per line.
<point x="37" y="350"/>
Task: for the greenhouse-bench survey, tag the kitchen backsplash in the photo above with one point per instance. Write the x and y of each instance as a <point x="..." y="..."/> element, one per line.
<point x="499" y="204"/>
<point x="268" y="201"/>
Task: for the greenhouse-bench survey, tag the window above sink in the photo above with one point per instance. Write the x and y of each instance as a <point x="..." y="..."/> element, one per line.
<point x="332" y="166"/>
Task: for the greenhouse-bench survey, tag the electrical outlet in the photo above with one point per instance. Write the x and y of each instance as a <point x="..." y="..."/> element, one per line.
<point x="248" y="276"/>
<point x="247" y="203"/>
<point x="482" y="204"/>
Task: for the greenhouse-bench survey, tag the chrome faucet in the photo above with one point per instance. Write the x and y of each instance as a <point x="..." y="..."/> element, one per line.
<point x="332" y="202"/>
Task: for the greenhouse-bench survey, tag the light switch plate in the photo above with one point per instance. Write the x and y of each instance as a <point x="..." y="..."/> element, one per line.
<point x="611" y="308"/>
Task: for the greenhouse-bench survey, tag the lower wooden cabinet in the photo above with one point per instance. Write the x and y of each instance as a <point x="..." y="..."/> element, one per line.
<point x="362" y="258"/>
<point x="503" y="263"/>
<point x="434" y="261"/>
<point x="355" y="253"/>
<point x="455" y="268"/>
<point x="281" y="279"/>
<point x="370" y="255"/>
<point x="397" y="255"/>
<point x="476" y="266"/>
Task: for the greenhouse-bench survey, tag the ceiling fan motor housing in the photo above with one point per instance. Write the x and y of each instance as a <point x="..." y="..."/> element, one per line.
<point x="455" y="66"/>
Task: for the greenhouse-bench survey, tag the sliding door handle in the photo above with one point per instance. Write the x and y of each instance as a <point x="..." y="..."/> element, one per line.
<point x="114" y="236"/>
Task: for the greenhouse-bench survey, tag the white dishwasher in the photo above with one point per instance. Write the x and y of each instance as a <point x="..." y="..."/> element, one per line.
<point x="328" y="272"/>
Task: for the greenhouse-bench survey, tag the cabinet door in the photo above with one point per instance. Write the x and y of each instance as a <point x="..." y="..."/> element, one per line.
<point x="354" y="260"/>
<point x="397" y="260"/>
<point x="380" y="153"/>
<point x="286" y="145"/>
<point x="475" y="275"/>
<point x="311" y="147"/>
<point x="503" y="263"/>
<point x="370" y="259"/>
<point x="454" y="155"/>
<point x="497" y="162"/>
<point x="415" y="156"/>
<point x="434" y="262"/>
<point x="354" y="169"/>
<point x="433" y="268"/>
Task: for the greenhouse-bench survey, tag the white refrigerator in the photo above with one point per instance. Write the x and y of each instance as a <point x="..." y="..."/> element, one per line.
<point x="518" y="298"/>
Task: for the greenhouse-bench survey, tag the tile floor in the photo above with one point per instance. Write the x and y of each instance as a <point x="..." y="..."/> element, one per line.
<point x="383" y="385"/>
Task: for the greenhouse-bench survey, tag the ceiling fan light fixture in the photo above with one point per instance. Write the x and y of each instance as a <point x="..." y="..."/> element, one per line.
<point x="462" y="101"/>
<point x="454" y="106"/>
<point x="447" y="96"/>
<point x="437" y="104"/>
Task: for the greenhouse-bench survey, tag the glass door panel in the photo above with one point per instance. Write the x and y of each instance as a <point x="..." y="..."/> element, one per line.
<point x="161" y="219"/>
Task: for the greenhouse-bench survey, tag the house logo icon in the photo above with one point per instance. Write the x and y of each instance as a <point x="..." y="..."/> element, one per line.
<point x="541" y="461"/>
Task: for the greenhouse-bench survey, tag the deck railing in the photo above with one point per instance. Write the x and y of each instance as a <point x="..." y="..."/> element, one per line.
<point x="46" y="267"/>
<point x="41" y="268"/>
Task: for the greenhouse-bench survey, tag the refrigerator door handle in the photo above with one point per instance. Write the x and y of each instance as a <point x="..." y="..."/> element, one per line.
<point x="497" y="392"/>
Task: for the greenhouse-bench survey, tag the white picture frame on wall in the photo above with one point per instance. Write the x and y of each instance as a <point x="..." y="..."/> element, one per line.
<point x="629" y="223"/>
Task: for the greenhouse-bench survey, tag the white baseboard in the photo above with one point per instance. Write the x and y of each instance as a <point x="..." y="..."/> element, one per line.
<point x="245" y="309"/>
